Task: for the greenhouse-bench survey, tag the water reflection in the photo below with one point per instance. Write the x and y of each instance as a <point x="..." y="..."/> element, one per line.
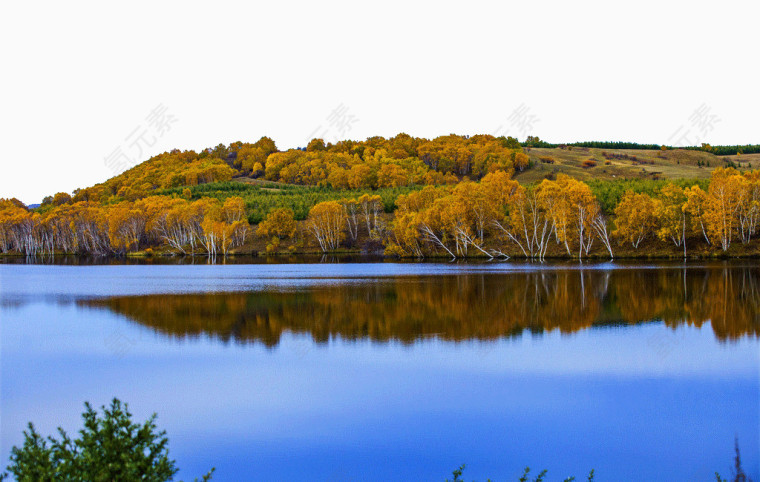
<point x="483" y="306"/>
<point x="76" y="260"/>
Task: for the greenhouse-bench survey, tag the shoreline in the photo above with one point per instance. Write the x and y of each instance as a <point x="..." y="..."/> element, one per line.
<point x="384" y="257"/>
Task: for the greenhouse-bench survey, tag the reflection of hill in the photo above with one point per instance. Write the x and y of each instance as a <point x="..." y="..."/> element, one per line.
<point x="470" y="306"/>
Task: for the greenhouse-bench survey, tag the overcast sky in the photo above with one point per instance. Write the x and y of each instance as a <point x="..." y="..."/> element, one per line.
<point x="85" y="83"/>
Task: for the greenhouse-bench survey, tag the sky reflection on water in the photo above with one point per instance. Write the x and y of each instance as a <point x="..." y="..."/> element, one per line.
<point x="636" y="402"/>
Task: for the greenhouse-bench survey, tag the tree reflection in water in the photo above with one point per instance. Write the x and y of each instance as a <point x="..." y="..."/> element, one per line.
<point x="462" y="307"/>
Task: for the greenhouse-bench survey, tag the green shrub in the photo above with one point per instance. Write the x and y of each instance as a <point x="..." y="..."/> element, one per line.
<point x="110" y="447"/>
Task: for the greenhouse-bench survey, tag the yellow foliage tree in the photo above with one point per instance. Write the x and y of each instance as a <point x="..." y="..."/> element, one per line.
<point x="635" y="217"/>
<point x="327" y="222"/>
<point x="672" y="213"/>
<point x="725" y="196"/>
<point x="279" y="223"/>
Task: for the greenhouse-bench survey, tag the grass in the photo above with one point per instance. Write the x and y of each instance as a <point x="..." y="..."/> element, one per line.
<point x="629" y="164"/>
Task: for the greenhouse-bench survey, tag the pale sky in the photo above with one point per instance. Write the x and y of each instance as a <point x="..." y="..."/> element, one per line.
<point x="79" y="79"/>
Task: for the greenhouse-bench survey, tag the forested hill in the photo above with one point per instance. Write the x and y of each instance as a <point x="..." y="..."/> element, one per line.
<point x="411" y="161"/>
<point x="455" y="196"/>
<point x="374" y="163"/>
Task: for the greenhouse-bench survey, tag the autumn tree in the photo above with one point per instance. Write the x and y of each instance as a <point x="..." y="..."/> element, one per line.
<point x="451" y="222"/>
<point x="217" y="235"/>
<point x="370" y="206"/>
<point x="635" y="217"/>
<point x="696" y="205"/>
<point x="61" y="198"/>
<point x="11" y="213"/>
<point x="89" y="223"/>
<point x="251" y="158"/>
<point x="166" y="221"/>
<point x="726" y="195"/>
<point x="404" y="236"/>
<point x="126" y="226"/>
<point x="436" y="224"/>
<point x="672" y="215"/>
<point x="572" y="208"/>
<point x="315" y="145"/>
<point x="521" y="161"/>
<point x="279" y="223"/>
<point x="351" y="208"/>
<point x="749" y="212"/>
<point x="338" y="177"/>
<point x="392" y="175"/>
<point x="234" y="214"/>
<point x="361" y="175"/>
<point x="584" y="210"/>
<point x="516" y="214"/>
<point x="476" y="206"/>
<point x="527" y="223"/>
<point x="600" y="224"/>
<point x="327" y="222"/>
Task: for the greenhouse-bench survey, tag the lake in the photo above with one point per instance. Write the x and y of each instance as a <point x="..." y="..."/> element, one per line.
<point x="374" y="371"/>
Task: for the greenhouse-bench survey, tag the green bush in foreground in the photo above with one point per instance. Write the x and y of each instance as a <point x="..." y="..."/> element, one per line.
<point x="738" y="474"/>
<point x="524" y="478"/>
<point x="738" y="471"/>
<point x="110" y="447"/>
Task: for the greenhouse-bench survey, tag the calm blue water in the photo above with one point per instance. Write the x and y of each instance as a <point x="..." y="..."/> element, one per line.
<point x="637" y="401"/>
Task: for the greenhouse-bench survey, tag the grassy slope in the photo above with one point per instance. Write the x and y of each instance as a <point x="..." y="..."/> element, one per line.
<point x="670" y="164"/>
<point x="650" y="165"/>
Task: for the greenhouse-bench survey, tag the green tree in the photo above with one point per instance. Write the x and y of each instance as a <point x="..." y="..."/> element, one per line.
<point x="110" y="447"/>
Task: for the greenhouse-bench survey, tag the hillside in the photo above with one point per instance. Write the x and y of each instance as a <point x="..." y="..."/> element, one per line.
<point x="406" y="161"/>
<point x="456" y="196"/>
<point x="611" y="164"/>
